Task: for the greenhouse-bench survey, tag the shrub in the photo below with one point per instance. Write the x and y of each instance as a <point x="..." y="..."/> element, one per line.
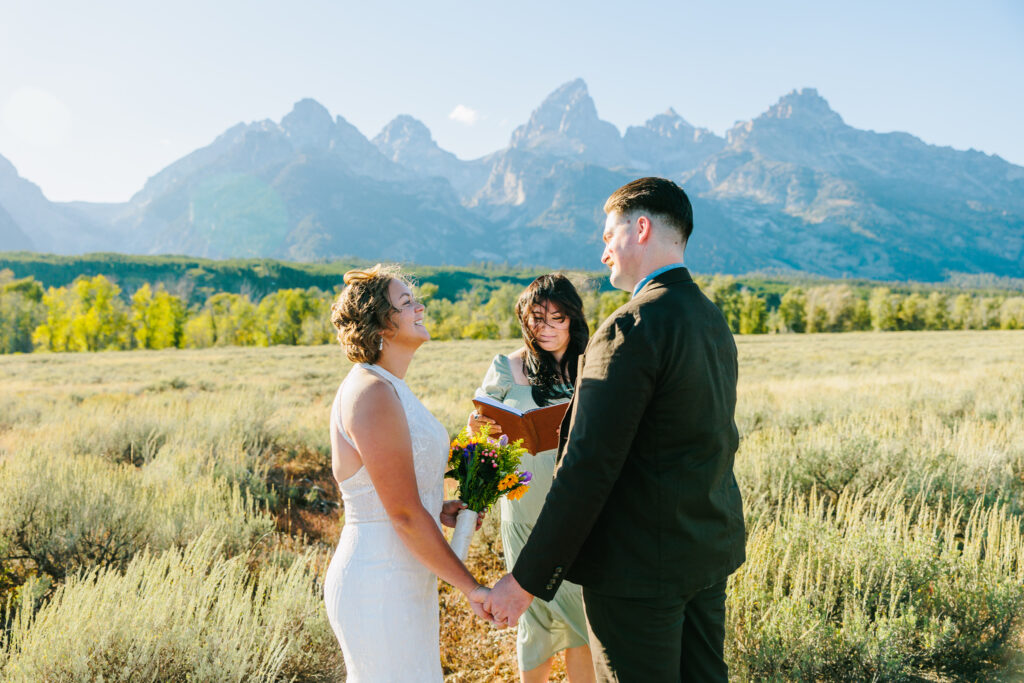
<point x="66" y="513"/>
<point x="873" y="588"/>
<point x="180" y="615"/>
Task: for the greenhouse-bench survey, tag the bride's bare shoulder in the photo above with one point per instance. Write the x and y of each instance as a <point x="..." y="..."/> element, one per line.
<point x="364" y="386"/>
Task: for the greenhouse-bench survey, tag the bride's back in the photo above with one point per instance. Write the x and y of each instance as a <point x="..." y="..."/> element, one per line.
<point x="345" y="458"/>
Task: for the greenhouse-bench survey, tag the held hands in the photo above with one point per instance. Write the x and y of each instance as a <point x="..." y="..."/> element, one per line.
<point x="450" y="511"/>
<point x="476" y="421"/>
<point x="502" y="605"/>
<point x="476" y="598"/>
<point x="506" y="602"/>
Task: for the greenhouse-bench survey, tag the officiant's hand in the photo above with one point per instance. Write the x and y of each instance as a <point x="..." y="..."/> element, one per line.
<point x="476" y="421"/>
<point x="476" y="598"/>
<point x="450" y="510"/>
<point x="507" y="601"/>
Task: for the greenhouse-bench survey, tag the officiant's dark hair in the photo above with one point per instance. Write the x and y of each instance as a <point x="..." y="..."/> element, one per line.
<point x="658" y="196"/>
<point x="546" y="375"/>
<point x="363" y="311"/>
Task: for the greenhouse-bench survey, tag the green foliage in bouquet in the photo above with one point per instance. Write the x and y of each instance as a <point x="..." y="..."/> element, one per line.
<point x="486" y="469"/>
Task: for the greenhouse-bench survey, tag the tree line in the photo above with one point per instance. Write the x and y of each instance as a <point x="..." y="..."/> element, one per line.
<point x="96" y="314"/>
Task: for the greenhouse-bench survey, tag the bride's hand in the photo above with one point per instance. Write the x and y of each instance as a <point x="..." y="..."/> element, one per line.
<point x="450" y="510"/>
<point x="476" y="598"/>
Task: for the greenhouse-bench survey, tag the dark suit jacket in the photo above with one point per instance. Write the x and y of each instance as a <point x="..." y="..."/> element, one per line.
<point x="644" y="501"/>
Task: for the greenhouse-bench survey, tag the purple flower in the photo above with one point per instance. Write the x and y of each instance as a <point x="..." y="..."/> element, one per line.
<point x="525" y="477"/>
<point x="503" y="441"/>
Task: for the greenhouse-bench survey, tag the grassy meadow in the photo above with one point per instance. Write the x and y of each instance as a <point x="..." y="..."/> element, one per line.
<point x="167" y="515"/>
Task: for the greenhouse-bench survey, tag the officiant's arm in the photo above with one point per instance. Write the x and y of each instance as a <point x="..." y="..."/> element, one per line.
<point x="381" y="433"/>
<point x="614" y="389"/>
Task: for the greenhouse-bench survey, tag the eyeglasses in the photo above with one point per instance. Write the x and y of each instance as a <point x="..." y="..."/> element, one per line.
<point x="557" y="322"/>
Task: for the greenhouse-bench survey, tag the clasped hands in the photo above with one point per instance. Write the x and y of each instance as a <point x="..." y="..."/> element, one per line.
<point x="501" y="605"/>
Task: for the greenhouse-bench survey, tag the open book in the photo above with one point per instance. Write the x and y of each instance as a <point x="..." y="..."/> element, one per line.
<point x="538" y="427"/>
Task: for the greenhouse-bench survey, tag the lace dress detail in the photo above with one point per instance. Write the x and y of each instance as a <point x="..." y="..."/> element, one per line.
<point x="381" y="601"/>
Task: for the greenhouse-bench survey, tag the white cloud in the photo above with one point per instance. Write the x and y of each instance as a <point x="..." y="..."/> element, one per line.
<point x="464" y="115"/>
<point x="36" y="117"/>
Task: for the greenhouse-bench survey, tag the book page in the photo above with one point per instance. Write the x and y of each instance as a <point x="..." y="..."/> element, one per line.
<point x="484" y="398"/>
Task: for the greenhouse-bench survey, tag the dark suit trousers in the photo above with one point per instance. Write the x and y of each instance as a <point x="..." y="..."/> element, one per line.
<point x="658" y="640"/>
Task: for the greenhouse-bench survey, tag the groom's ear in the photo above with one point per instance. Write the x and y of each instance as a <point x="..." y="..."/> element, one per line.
<point x="643" y="229"/>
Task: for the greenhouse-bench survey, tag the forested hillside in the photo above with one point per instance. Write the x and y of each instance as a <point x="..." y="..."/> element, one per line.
<point x="106" y="302"/>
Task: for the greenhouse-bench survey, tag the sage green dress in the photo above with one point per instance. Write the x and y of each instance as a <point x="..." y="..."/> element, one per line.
<point x="546" y="628"/>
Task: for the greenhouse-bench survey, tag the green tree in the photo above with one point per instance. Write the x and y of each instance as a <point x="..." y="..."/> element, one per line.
<point x="985" y="313"/>
<point x="963" y="306"/>
<point x="283" y="313"/>
<point x="883" y="306"/>
<point x="911" y="314"/>
<point x="609" y="303"/>
<point x="316" y="327"/>
<point x="21" y="312"/>
<point x="158" y="318"/>
<point x="936" y="312"/>
<point x="861" y="316"/>
<point x="54" y="332"/>
<point x="99" y="318"/>
<point x="791" y="310"/>
<point x="87" y="316"/>
<point x="426" y="292"/>
<point x="725" y="294"/>
<point x="481" y="328"/>
<point x="832" y="308"/>
<point x="1011" y="313"/>
<point x="500" y="310"/>
<point x="753" y="314"/>
<point x="226" y="320"/>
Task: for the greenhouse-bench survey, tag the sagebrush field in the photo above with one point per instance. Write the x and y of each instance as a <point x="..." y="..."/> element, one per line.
<point x="167" y="515"/>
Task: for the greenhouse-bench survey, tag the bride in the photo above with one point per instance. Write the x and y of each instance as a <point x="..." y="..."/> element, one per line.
<point x="389" y="455"/>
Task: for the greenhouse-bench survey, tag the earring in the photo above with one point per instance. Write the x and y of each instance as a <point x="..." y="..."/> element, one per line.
<point x="380" y="346"/>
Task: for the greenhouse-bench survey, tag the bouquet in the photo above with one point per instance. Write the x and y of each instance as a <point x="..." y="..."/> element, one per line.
<point x="486" y="469"/>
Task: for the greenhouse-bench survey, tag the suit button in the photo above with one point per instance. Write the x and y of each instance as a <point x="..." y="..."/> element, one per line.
<point x="551" y="585"/>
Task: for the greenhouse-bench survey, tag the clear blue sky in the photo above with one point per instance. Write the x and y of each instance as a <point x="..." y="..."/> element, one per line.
<point x="97" y="97"/>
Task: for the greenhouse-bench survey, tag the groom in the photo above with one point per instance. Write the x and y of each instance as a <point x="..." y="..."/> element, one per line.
<point x="644" y="511"/>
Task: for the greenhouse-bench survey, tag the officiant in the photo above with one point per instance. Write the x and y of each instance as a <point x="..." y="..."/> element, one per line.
<point x="541" y="373"/>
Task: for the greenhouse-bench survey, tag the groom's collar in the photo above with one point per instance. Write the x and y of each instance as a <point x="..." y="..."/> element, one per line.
<point x="677" y="271"/>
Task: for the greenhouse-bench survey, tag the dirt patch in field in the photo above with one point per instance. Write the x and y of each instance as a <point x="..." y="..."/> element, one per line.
<point x="308" y="500"/>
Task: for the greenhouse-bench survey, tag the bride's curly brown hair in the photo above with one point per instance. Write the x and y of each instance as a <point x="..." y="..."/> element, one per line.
<point x="363" y="311"/>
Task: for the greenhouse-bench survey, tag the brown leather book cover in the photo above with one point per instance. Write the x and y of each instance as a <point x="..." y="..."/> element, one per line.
<point x="538" y="428"/>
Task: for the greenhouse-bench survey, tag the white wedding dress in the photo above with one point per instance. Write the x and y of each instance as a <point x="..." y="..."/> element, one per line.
<point x="381" y="601"/>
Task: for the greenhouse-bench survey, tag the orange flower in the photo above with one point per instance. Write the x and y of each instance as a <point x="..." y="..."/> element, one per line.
<point x="517" y="493"/>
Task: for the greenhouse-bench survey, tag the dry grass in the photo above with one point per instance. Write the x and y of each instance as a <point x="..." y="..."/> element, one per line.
<point x="931" y="420"/>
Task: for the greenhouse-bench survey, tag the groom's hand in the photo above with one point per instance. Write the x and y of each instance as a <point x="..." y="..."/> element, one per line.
<point x="507" y="601"/>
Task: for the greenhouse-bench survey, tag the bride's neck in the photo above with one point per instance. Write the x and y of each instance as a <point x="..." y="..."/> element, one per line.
<point x="395" y="360"/>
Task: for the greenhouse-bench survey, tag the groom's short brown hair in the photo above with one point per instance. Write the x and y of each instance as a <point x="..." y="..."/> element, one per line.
<point x="657" y="196"/>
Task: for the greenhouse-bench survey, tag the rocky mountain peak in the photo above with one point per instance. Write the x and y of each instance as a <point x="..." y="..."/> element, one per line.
<point x="566" y="124"/>
<point x="308" y="124"/>
<point x="403" y="130"/>
<point x="669" y="123"/>
<point x="804" y="106"/>
<point x="569" y="110"/>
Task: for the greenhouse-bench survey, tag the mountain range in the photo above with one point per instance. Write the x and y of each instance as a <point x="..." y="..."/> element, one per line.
<point x="794" y="189"/>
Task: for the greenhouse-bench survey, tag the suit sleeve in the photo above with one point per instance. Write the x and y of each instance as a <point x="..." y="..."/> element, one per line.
<point x="615" y="387"/>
